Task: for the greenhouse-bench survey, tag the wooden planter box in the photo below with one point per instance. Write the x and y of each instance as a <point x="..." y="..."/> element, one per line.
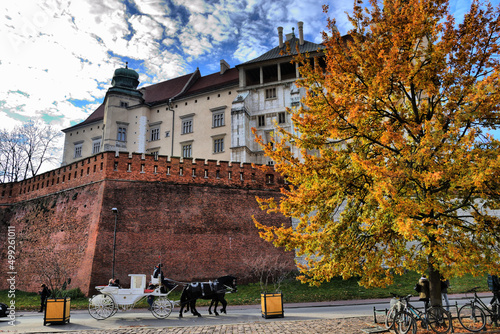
<point x="57" y="311"/>
<point x="272" y="305"/>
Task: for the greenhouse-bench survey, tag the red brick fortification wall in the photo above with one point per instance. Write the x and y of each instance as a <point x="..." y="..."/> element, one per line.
<point x="60" y="229"/>
<point x="196" y="214"/>
<point x="200" y="232"/>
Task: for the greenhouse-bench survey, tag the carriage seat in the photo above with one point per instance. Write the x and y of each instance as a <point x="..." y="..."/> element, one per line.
<point x="155" y="280"/>
<point x="149" y="290"/>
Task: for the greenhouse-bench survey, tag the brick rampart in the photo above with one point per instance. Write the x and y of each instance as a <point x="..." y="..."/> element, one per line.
<point x="194" y="214"/>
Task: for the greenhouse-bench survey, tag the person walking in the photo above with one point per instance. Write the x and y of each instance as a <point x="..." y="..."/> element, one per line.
<point x="445" y="284"/>
<point x="424" y="290"/>
<point x="44" y="294"/>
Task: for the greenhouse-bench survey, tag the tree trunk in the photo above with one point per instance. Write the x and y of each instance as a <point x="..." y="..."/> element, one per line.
<point x="434" y="287"/>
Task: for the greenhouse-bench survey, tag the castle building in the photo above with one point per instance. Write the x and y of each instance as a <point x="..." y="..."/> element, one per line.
<point x="193" y="116"/>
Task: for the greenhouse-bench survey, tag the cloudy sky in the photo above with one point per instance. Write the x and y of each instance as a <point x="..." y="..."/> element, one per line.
<point x="57" y="57"/>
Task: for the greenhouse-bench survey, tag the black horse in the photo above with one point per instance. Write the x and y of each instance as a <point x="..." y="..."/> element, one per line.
<point x="215" y="291"/>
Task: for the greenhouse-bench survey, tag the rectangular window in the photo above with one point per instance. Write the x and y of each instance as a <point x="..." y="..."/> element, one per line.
<point x="262" y="120"/>
<point x="270" y="93"/>
<point x="187" y="126"/>
<point x="78" y="150"/>
<point x="155" y="134"/>
<point x="219" y="145"/>
<point x="96" y="146"/>
<point x="281" y="117"/>
<point x="186" y="151"/>
<point x="218" y="119"/>
<point x="122" y="134"/>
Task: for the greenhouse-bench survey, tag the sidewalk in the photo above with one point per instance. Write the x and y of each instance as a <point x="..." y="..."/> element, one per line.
<point x="343" y="316"/>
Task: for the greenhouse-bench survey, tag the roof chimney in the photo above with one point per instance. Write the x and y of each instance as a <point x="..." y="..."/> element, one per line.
<point x="280" y="35"/>
<point x="301" y="32"/>
<point x="224" y="66"/>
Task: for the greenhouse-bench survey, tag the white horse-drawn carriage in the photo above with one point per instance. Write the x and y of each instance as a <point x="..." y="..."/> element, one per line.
<point x="112" y="298"/>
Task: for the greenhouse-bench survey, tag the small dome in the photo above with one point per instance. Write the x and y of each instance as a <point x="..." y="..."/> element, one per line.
<point x="126" y="72"/>
<point x="125" y="78"/>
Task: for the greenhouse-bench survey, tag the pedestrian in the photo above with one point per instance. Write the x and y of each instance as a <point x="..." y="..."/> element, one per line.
<point x="423" y="282"/>
<point x="445" y="284"/>
<point x="44" y="294"/>
<point x="494" y="286"/>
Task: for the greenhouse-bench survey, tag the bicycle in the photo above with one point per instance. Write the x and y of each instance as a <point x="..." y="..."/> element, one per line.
<point x="396" y="306"/>
<point x="435" y="317"/>
<point x="472" y="316"/>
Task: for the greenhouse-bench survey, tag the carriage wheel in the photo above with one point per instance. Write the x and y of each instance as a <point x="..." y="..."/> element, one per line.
<point x="162" y="307"/>
<point x="102" y="307"/>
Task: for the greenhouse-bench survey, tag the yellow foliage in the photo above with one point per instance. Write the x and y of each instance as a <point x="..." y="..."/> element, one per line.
<point x="397" y="170"/>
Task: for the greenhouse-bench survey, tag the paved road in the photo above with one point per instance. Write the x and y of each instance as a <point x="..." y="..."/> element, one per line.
<point x="141" y="320"/>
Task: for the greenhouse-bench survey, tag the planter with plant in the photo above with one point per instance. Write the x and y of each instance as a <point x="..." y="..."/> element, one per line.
<point x="54" y="274"/>
<point x="271" y="270"/>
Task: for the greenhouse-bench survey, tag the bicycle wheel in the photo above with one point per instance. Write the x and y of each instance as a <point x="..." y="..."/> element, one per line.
<point x="162" y="307"/>
<point x="404" y="323"/>
<point x="102" y="307"/>
<point x="471" y="317"/>
<point x="389" y="319"/>
<point x="439" y="319"/>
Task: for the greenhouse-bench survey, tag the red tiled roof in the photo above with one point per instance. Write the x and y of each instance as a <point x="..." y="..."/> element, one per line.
<point x="185" y="85"/>
<point x="214" y="81"/>
<point x="166" y="90"/>
<point x="97" y="115"/>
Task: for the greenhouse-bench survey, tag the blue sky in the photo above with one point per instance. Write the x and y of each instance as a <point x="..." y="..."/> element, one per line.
<point x="57" y="57"/>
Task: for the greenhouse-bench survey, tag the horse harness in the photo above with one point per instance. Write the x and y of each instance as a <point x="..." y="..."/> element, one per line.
<point x="209" y="288"/>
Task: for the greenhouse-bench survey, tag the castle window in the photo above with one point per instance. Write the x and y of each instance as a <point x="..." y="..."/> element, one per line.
<point x="218" y="119"/>
<point x="122" y="134"/>
<point x="187" y="151"/>
<point x="187" y="126"/>
<point x="78" y="149"/>
<point x="271" y="93"/>
<point x="123" y="104"/>
<point x="219" y="145"/>
<point x="262" y="120"/>
<point x="96" y="145"/>
<point x="155" y="134"/>
<point x="281" y="117"/>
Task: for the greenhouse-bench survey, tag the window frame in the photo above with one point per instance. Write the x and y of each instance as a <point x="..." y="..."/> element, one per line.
<point x="121" y="135"/>
<point x="281" y="114"/>
<point x="78" y="148"/>
<point x="96" y="145"/>
<point x="218" y="145"/>
<point x="187" y="147"/>
<point x="154" y="134"/>
<point x="270" y="93"/>
<point x="261" y="120"/>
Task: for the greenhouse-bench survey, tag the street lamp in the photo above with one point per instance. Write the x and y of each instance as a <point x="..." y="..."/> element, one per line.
<point x="115" y="211"/>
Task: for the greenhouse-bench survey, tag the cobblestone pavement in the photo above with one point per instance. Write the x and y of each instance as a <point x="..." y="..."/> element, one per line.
<point x="319" y="326"/>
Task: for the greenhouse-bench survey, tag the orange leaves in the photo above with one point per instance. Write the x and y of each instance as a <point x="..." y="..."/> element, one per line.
<point x="395" y="170"/>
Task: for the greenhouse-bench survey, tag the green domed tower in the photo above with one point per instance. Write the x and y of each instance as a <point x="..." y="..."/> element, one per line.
<point x="125" y="80"/>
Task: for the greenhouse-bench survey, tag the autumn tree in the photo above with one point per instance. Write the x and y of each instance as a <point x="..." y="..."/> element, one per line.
<point x="24" y="150"/>
<point x="397" y="169"/>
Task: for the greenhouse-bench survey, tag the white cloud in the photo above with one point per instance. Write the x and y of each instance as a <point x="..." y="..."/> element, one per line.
<point x="152" y="7"/>
<point x="53" y="51"/>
